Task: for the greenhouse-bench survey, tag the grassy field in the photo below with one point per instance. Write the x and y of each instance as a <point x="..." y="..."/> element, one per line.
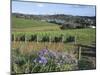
<point x="26" y="25"/>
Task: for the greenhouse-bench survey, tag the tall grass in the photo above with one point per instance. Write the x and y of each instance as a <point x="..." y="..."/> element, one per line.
<point x="42" y="61"/>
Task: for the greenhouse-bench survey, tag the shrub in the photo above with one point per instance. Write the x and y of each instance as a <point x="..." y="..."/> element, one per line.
<point x="70" y="39"/>
<point x="19" y="37"/>
<point x="33" y="38"/>
<point x="58" y="39"/>
<point x="22" y="38"/>
<point x="45" y="39"/>
<point x="85" y="64"/>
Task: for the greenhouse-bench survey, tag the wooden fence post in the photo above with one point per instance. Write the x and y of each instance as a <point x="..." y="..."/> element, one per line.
<point x="62" y="39"/>
<point x="37" y="39"/>
<point x="25" y="39"/>
<point x="50" y="39"/>
<point x="75" y="40"/>
<point x="14" y="38"/>
<point x="79" y="51"/>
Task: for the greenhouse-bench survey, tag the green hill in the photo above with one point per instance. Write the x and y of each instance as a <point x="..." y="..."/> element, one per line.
<point x="21" y="24"/>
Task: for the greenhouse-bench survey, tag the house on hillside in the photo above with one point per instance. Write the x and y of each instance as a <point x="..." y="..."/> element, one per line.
<point x="27" y="17"/>
<point x="92" y="26"/>
<point x="43" y="20"/>
<point x="20" y="16"/>
<point x="56" y="21"/>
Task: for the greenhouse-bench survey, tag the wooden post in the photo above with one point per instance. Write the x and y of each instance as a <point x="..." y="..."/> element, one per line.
<point x="75" y="40"/>
<point x="25" y="39"/>
<point x="79" y="51"/>
<point x="14" y="39"/>
<point x="37" y="39"/>
<point x="62" y="39"/>
<point x="50" y="39"/>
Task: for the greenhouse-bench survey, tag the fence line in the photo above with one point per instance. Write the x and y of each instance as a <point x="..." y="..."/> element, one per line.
<point x="90" y="51"/>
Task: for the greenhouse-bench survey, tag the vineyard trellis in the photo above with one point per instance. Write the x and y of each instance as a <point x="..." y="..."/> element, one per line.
<point x="43" y="38"/>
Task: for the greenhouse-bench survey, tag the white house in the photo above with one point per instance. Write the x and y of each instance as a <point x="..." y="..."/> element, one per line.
<point x="92" y="26"/>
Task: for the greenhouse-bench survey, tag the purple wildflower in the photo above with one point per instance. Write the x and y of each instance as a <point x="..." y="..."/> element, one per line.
<point x="41" y="60"/>
<point x="43" y="52"/>
<point x="52" y="54"/>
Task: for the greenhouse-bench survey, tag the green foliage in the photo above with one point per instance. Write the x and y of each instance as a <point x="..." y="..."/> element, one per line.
<point x="45" y="39"/>
<point x="33" y="37"/>
<point x="83" y="36"/>
<point x="70" y="39"/>
<point x="58" y="38"/>
<point x="85" y="64"/>
<point x="25" y="63"/>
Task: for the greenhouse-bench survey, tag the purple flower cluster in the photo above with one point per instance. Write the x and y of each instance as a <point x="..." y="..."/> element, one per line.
<point x="41" y="60"/>
<point x="41" y="57"/>
<point x="58" y="58"/>
<point x="43" y="52"/>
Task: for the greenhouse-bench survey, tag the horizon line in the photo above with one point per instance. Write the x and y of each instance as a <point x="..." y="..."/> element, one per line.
<point x="51" y="14"/>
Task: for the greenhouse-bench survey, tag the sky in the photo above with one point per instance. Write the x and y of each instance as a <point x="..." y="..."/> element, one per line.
<point x="50" y="9"/>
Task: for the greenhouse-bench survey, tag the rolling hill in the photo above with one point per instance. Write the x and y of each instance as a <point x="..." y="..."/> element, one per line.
<point x="21" y="24"/>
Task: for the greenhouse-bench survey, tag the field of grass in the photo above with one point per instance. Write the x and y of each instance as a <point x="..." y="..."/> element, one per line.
<point x="26" y="25"/>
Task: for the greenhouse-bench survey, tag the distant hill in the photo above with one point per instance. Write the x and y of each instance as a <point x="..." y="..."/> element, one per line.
<point x="51" y="22"/>
<point x="56" y="16"/>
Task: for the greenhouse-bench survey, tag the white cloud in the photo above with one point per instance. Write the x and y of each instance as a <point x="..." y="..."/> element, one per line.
<point x="40" y="5"/>
<point x="82" y="6"/>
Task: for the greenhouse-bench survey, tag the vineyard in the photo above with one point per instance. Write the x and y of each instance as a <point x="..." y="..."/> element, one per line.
<point x="82" y="36"/>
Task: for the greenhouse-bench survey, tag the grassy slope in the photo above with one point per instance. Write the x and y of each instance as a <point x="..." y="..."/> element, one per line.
<point x="22" y="25"/>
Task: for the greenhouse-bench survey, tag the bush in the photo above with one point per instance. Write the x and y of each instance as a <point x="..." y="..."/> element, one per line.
<point x="70" y="39"/>
<point x="22" y="38"/>
<point x="45" y="39"/>
<point x="57" y="39"/>
<point x="33" y="38"/>
<point x="19" y="37"/>
<point x="27" y="37"/>
<point x="85" y="64"/>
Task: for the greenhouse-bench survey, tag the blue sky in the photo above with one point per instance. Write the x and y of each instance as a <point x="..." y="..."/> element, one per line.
<point x="48" y="8"/>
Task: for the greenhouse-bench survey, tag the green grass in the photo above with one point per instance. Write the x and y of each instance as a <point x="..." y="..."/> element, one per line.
<point x="26" y="25"/>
